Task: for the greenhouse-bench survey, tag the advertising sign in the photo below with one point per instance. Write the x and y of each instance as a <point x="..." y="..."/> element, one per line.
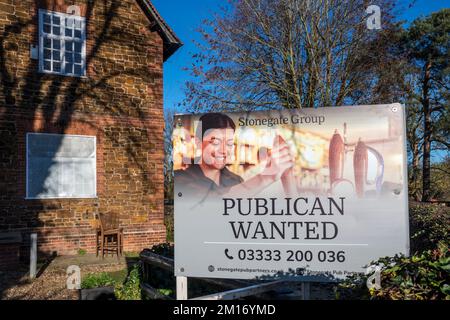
<point x="277" y="193"/>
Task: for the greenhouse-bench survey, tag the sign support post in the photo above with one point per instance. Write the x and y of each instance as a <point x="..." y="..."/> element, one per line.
<point x="306" y="290"/>
<point x="182" y="292"/>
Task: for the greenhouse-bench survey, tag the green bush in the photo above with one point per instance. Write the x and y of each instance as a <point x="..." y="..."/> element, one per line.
<point x="166" y="292"/>
<point x="131" y="289"/>
<point x="428" y="226"/>
<point x="425" y="276"/>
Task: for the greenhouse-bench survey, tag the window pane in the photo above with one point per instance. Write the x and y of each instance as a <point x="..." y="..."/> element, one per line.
<point x="47" y="65"/>
<point x="56" y="55"/>
<point x="68" y="32"/>
<point x="42" y="147"/>
<point x="60" y="166"/>
<point x="67" y="176"/>
<point x="77" y="24"/>
<point x="47" y="54"/>
<point x="69" y="68"/>
<point x="69" y="22"/>
<point x="78" y="69"/>
<point x="56" y="20"/>
<point x="52" y="185"/>
<point x="69" y="57"/>
<point x="47" y="43"/>
<point x="77" y="58"/>
<point x="46" y="18"/>
<point x="69" y="45"/>
<point x="56" y="31"/>
<point x="57" y="44"/>
<point x="84" y="176"/>
<point x="46" y="28"/>
<point x="77" y="33"/>
<point x="38" y="173"/>
<point x="78" y="47"/>
<point x="57" y="66"/>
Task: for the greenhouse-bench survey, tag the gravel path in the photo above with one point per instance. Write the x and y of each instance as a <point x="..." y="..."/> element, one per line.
<point x="50" y="285"/>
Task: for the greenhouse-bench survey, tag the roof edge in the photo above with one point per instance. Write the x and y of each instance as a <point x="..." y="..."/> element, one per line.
<point x="170" y="39"/>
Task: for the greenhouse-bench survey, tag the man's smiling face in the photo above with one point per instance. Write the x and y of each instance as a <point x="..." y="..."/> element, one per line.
<point x="217" y="147"/>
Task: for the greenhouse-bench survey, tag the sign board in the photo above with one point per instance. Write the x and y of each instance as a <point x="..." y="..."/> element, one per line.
<point x="289" y="192"/>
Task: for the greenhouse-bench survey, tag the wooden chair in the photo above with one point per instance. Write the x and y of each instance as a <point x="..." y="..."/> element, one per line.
<point x="109" y="236"/>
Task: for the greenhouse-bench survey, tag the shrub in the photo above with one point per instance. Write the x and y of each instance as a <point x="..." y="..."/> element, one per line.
<point x="166" y="292"/>
<point x="425" y="276"/>
<point x="428" y="226"/>
<point x="131" y="289"/>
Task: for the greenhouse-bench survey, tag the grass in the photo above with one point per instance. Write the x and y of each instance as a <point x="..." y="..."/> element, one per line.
<point x="104" y="279"/>
<point x="95" y="280"/>
<point x="119" y="276"/>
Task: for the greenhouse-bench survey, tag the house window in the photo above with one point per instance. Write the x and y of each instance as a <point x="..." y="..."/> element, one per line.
<point x="62" y="43"/>
<point x="61" y="166"/>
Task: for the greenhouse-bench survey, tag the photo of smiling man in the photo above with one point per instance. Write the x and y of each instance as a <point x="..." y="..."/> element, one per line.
<point x="209" y="176"/>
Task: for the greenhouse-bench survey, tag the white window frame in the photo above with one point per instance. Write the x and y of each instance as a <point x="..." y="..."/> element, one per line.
<point x="63" y="39"/>
<point x="61" y="197"/>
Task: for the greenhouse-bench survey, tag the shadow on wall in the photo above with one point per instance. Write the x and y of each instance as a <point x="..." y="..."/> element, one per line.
<point x="56" y="101"/>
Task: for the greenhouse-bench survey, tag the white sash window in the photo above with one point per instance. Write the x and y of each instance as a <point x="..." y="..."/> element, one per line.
<point x="62" y="43"/>
<point x="61" y="166"/>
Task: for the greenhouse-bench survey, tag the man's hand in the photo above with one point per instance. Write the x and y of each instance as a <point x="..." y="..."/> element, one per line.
<point x="280" y="159"/>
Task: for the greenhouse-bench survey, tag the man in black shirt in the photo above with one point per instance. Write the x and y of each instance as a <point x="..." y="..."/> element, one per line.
<point x="210" y="177"/>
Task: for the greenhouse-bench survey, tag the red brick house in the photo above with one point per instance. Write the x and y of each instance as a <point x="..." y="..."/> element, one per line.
<point x="81" y="122"/>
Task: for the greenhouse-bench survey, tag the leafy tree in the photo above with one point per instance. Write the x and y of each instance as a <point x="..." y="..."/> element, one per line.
<point x="428" y="43"/>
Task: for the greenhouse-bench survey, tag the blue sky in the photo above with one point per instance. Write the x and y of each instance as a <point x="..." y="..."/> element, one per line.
<point x="184" y="16"/>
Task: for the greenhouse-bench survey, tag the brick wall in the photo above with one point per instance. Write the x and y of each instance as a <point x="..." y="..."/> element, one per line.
<point x="119" y="101"/>
<point x="9" y="256"/>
